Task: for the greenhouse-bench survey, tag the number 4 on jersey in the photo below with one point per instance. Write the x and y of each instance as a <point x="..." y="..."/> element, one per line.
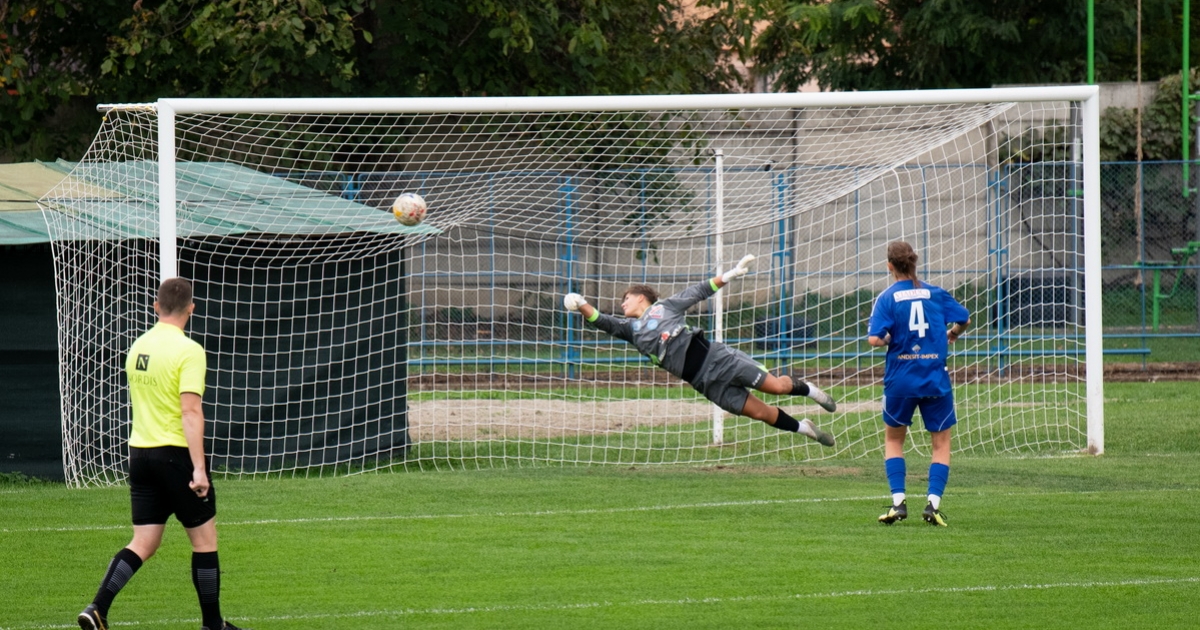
<point x="916" y="318"/>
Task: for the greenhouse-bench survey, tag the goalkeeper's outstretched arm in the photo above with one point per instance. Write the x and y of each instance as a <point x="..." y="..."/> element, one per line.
<point x="741" y="269"/>
<point x="576" y="304"/>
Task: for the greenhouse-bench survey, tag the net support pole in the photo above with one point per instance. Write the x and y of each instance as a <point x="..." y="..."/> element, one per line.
<point x="1093" y="282"/>
<point x="718" y="420"/>
<point x="167" y="255"/>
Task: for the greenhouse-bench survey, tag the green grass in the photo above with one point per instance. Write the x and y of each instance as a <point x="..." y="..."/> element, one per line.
<point x="1100" y="542"/>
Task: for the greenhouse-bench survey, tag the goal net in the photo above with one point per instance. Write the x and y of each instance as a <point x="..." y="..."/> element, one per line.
<point x="340" y="341"/>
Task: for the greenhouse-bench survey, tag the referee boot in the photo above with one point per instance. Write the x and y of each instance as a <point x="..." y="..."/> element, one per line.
<point x="225" y="625"/>
<point x="91" y="619"/>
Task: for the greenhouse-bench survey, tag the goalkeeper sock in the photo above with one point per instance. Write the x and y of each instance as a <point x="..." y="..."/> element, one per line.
<point x="786" y="422"/>
<point x="799" y="387"/>
<point x="896" y="471"/>
<point x="939" y="474"/>
<point x="120" y="569"/>
<point x="206" y="577"/>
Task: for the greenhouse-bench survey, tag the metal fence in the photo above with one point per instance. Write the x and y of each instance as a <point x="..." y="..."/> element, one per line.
<point x="1151" y="245"/>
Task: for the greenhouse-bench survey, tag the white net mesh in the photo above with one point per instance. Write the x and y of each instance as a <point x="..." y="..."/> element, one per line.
<point x="340" y="341"/>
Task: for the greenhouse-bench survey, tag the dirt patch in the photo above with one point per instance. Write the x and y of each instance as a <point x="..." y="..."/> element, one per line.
<point x="528" y="419"/>
<point x="484" y="419"/>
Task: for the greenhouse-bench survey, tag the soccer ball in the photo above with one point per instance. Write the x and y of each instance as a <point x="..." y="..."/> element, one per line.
<point x="409" y="209"/>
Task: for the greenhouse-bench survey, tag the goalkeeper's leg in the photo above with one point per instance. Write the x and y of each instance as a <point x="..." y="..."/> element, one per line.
<point x="796" y="386"/>
<point x="782" y="420"/>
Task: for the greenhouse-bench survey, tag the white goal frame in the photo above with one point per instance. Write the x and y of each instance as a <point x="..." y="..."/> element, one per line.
<point x="341" y="341"/>
<point x="1088" y="96"/>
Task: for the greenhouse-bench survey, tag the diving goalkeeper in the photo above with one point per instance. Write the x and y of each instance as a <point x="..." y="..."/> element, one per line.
<point x="658" y="330"/>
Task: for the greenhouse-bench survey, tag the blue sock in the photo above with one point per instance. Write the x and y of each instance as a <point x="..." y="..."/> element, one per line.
<point x="895" y="473"/>
<point x="938" y="475"/>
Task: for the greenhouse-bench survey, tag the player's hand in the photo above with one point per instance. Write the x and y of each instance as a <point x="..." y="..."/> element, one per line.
<point x="572" y="302"/>
<point x="199" y="483"/>
<point x="742" y="268"/>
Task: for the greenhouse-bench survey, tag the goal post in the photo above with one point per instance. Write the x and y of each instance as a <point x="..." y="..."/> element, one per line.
<point x="340" y="341"/>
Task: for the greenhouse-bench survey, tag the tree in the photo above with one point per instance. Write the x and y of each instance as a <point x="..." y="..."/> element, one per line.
<point x="545" y="47"/>
<point x="911" y="44"/>
<point x="61" y="57"/>
<point x="49" y="64"/>
<point x="247" y="48"/>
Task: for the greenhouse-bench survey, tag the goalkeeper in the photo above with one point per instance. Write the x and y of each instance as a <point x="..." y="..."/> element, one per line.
<point x="658" y="330"/>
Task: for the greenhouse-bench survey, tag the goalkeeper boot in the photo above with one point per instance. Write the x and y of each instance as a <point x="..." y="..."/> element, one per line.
<point x="934" y="516"/>
<point x="895" y="513"/>
<point x="821" y="398"/>
<point x="91" y="619"/>
<point x="811" y="430"/>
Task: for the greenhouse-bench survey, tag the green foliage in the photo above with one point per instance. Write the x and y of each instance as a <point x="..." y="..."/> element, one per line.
<point x="248" y="48"/>
<point x="8" y="479"/>
<point x="59" y="58"/>
<point x="50" y="55"/>
<point x="1161" y="133"/>
<point x="545" y="47"/>
<point x="910" y="44"/>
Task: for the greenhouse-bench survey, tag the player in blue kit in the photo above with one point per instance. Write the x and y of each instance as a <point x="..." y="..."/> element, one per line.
<point x="657" y="328"/>
<point x="910" y="319"/>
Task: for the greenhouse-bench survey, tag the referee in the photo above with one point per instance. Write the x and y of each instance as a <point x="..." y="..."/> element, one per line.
<point x="167" y="470"/>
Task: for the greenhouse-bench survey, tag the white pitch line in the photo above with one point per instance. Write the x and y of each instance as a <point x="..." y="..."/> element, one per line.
<point x="583" y="512"/>
<point x="687" y="601"/>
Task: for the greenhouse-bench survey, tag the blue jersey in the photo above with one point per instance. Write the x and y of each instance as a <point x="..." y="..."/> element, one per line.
<point x="917" y="320"/>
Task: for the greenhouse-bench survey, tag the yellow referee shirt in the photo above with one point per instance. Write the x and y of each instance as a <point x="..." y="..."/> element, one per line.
<point x="162" y="364"/>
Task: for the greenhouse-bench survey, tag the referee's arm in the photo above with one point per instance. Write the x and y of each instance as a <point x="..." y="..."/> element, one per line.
<point x="193" y="432"/>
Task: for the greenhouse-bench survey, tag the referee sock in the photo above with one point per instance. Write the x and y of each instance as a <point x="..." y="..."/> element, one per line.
<point x="785" y="422"/>
<point x="120" y="569"/>
<point x="206" y="577"/>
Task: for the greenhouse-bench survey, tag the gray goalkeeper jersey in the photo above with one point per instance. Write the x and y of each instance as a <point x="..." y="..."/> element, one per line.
<point x="661" y="333"/>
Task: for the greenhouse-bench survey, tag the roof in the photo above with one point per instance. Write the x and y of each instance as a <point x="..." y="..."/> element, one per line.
<point x="119" y="200"/>
<point x="21" y="185"/>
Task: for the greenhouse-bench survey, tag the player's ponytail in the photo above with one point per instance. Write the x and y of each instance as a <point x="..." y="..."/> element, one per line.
<point x="904" y="260"/>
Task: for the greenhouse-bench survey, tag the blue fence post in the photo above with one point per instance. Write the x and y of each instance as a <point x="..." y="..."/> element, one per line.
<point x="999" y="187"/>
<point x="571" y="353"/>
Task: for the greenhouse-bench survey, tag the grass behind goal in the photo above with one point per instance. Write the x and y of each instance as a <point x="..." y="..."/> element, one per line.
<point x="1101" y="542"/>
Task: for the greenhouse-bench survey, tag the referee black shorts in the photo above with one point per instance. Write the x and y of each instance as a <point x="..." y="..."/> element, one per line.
<point x="158" y="488"/>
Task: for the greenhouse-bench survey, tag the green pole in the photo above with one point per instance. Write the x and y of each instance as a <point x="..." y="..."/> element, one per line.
<point x="1091" y="41"/>
<point x="1187" y="97"/>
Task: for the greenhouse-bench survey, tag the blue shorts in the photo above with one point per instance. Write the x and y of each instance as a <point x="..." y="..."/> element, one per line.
<point x="936" y="411"/>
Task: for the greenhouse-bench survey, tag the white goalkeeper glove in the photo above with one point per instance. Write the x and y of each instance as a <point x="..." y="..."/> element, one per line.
<point x="572" y="302"/>
<point x="742" y="268"/>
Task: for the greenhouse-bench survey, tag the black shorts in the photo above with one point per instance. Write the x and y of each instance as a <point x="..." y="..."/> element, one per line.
<point x="158" y="488"/>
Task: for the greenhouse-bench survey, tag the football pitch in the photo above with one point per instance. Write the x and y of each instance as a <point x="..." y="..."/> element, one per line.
<point x="1048" y="542"/>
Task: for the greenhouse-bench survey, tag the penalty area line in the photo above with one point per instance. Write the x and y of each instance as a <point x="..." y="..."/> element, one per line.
<point x="679" y="602"/>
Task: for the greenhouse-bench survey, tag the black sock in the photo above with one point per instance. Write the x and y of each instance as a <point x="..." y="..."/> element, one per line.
<point x="206" y="577"/>
<point x="120" y="569"/>
<point x="785" y="422"/>
<point x="799" y="387"/>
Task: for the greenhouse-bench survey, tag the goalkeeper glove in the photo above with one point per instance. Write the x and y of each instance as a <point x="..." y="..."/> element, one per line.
<point x="572" y="302"/>
<point x="742" y="268"/>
